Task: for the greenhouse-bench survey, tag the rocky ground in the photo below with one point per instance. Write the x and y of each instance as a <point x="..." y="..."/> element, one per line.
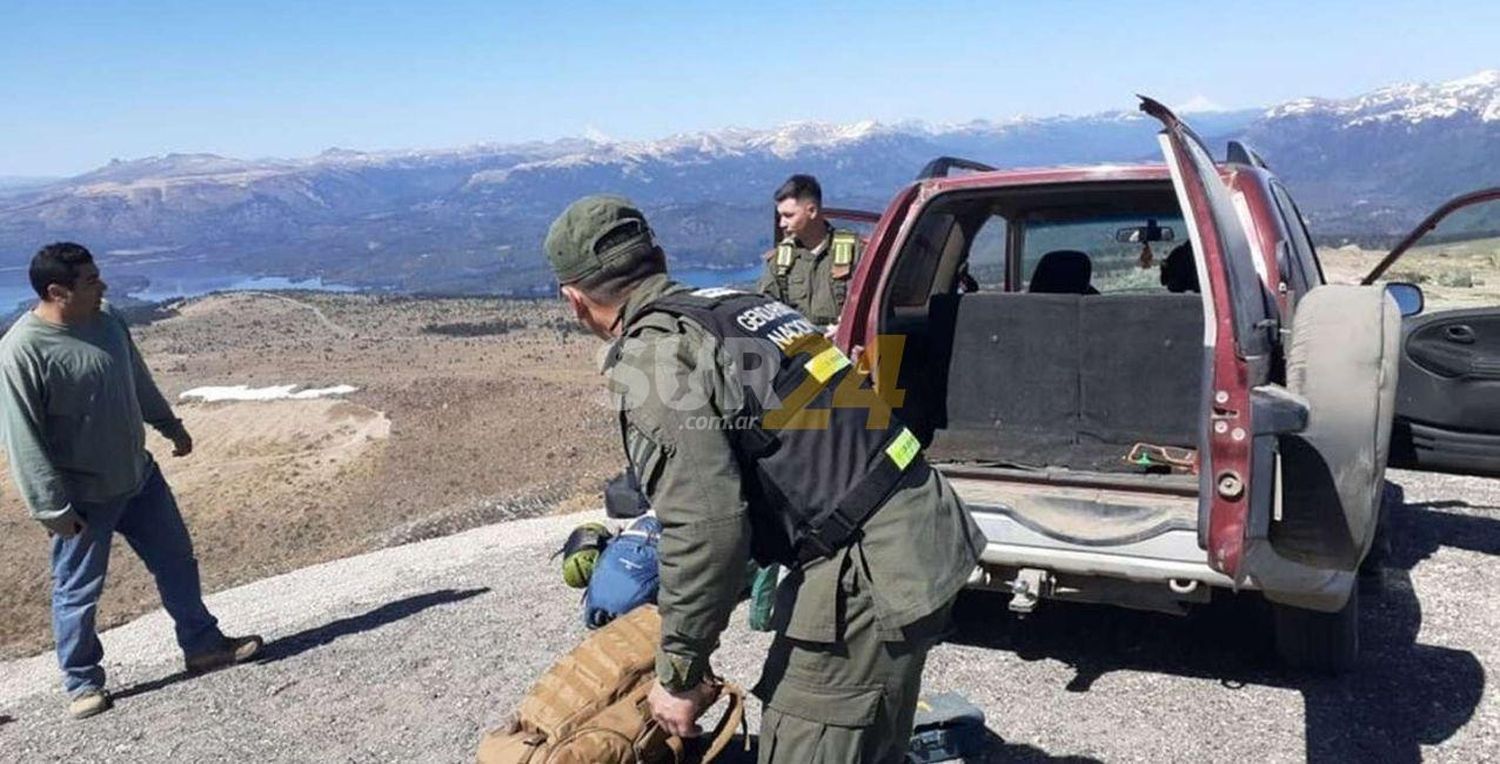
<point x="409" y="653"/>
<point x="469" y="411"/>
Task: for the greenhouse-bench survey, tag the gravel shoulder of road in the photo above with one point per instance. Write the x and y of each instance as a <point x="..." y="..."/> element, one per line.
<point x="410" y="653"/>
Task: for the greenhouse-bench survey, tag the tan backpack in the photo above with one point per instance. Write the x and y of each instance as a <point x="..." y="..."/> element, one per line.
<point x="590" y="707"/>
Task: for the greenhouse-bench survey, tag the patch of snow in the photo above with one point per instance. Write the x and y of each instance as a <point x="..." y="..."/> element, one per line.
<point x="1299" y="106"/>
<point x="273" y="393"/>
<point x="1199" y="104"/>
<point x="1488" y="78"/>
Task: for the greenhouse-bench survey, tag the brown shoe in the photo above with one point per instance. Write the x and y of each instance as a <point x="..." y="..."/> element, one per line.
<point x="229" y="652"/>
<point x="89" y="703"/>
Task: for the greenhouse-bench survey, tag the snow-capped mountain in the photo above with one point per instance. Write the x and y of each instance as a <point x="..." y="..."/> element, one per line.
<point x="1374" y="164"/>
<point x="472" y="218"/>
<point x="1474" y="97"/>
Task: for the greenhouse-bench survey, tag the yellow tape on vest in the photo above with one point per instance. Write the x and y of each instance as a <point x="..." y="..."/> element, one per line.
<point x="904" y="448"/>
<point x="826" y="364"/>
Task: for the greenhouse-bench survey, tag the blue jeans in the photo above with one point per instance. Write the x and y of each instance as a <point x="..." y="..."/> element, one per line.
<point x="150" y="522"/>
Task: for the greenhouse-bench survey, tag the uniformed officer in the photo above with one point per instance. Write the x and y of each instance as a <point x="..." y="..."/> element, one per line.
<point x="810" y="268"/>
<point x="728" y="414"/>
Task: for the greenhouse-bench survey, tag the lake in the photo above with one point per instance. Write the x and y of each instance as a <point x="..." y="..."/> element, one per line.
<point x="172" y="287"/>
<point x="711" y="277"/>
<point x="191" y="282"/>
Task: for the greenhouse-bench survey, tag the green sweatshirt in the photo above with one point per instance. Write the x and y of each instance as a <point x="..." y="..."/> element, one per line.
<point x="74" y="400"/>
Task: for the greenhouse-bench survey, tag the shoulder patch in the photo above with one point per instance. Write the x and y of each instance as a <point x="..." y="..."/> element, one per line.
<point x="785" y="254"/>
<point x="844" y="245"/>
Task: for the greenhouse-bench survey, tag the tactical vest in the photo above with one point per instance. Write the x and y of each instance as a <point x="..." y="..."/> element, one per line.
<point x="842" y="247"/>
<point x="813" y="471"/>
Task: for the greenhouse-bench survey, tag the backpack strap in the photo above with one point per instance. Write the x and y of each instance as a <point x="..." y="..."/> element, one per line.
<point x="734" y="717"/>
<point x="732" y="721"/>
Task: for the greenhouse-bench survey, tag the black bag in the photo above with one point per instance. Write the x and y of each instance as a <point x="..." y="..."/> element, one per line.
<point x="947" y="728"/>
<point x="623" y="498"/>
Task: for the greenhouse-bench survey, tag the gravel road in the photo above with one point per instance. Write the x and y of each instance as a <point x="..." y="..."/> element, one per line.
<point x="407" y="654"/>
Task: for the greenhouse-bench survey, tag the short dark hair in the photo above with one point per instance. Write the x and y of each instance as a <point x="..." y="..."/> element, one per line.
<point x="613" y="283"/>
<point x="58" y="263"/>
<point x="803" y="188"/>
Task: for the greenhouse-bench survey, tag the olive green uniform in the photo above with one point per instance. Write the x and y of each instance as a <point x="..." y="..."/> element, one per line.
<point x="814" y="281"/>
<point x="852" y="630"/>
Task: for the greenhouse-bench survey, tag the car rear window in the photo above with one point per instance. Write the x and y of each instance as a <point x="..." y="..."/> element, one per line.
<point x="1117" y="266"/>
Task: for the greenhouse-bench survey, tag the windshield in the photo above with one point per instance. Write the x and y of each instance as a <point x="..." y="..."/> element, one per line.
<point x="1125" y="253"/>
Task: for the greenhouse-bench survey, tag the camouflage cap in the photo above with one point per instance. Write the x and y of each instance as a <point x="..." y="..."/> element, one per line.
<point x="595" y="233"/>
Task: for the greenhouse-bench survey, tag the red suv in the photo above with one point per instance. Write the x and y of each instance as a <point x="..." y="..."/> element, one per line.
<point x="1140" y="383"/>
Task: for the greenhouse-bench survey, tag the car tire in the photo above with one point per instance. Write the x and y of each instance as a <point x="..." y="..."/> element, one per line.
<point x="1310" y="640"/>
<point x="1344" y="361"/>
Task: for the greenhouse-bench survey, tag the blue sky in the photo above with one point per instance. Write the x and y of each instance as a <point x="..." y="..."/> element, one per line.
<point x="84" y="82"/>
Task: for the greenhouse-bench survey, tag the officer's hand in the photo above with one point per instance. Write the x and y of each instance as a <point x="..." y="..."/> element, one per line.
<point x="678" y="712"/>
<point x="182" y="443"/>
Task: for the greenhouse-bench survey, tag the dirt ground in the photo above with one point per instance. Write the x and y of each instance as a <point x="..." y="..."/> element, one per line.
<point x="464" y="408"/>
<point x="1452" y="275"/>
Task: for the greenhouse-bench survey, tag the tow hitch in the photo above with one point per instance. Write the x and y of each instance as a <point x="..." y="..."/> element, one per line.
<point x="1028" y="588"/>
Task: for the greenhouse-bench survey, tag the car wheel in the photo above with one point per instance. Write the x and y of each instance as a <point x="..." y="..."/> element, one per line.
<point x="1316" y="641"/>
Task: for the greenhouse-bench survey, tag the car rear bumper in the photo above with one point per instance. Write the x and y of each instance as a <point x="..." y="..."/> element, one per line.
<point x="1171" y="560"/>
<point x="1171" y="555"/>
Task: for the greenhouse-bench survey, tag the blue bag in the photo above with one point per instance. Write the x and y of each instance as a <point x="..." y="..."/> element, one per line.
<point x="626" y="575"/>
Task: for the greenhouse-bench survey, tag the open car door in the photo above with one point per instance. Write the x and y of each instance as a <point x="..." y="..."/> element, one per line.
<point x="1237" y="334"/>
<point x="1448" y="396"/>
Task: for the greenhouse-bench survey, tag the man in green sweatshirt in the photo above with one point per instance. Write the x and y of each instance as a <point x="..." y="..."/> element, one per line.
<point x="75" y="394"/>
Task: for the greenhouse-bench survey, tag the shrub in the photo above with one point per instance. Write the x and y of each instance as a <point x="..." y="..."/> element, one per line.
<point x="470" y="329"/>
<point x="1461" y="278"/>
<point x="1410" y="277"/>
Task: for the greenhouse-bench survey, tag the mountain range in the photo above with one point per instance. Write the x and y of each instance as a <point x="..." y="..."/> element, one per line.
<point x="471" y="219"/>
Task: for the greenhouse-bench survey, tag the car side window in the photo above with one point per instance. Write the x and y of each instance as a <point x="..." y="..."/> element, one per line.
<point x="1304" y="256"/>
<point x="986" y="262"/>
<point x="920" y="257"/>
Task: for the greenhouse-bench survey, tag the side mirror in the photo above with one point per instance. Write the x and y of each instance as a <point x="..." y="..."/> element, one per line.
<point x="1407" y="296"/>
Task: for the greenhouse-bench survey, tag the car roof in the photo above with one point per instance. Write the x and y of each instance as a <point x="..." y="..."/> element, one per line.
<point x="1100" y="173"/>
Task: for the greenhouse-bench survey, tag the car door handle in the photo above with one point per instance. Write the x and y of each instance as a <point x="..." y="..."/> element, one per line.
<point x="1459" y="333"/>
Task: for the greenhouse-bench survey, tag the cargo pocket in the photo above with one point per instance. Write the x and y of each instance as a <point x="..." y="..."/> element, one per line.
<point x="646" y="454"/>
<point x="813" y="725"/>
<point x="835" y="706"/>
